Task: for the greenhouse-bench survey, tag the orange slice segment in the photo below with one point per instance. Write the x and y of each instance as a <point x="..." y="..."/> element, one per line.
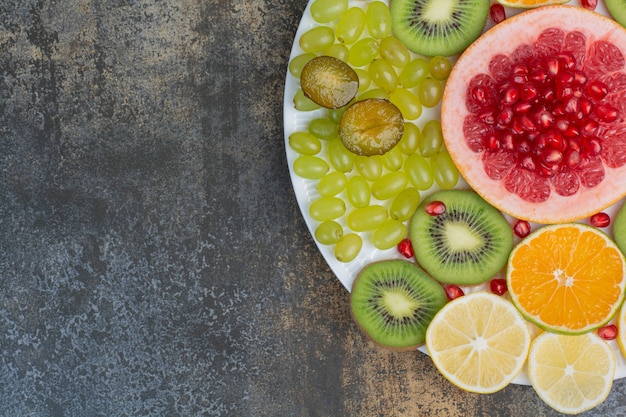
<point x="567" y="278"/>
<point x="529" y="4"/>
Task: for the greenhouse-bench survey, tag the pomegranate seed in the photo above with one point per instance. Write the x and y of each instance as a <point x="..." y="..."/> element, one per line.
<point x="508" y="142"/>
<point x="572" y="158"/>
<point x="435" y="208"/>
<point x="589" y="4"/>
<point x="600" y="220"/>
<point x="608" y="332"/>
<point x="522" y="107"/>
<point x="579" y="77"/>
<point x="497" y="13"/>
<point x="486" y="114"/>
<point x="552" y="156"/>
<point x="521" y="228"/>
<point x="479" y="94"/>
<point x="593" y="146"/>
<point x="523" y="146"/>
<point x="606" y="113"/>
<point x="589" y="127"/>
<point x="552" y="65"/>
<point x="405" y="247"/>
<point x="585" y="106"/>
<point x="539" y="75"/>
<point x="498" y="286"/>
<point x="528" y="163"/>
<point x="597" y="90"/>
<point x="529" y="91"/>
<point x="567" y="60"/>
<point x="505" y="116"/>
<point x="492" y="143"/>
<point x="453" y="291"/>
<point x="511" y="95"/>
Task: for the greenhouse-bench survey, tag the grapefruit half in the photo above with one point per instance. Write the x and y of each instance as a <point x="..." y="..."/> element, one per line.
<point x="534" y="114"/>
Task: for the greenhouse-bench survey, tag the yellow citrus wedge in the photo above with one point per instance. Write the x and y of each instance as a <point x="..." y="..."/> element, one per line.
<point x="571" y="374"/>
<point x="567" y="278"/>
<point x="530" y="4"/>
<point x="479" y="342"/>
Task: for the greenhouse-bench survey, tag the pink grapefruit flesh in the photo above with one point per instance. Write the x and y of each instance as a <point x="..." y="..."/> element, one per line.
<point x="534" y="114"/>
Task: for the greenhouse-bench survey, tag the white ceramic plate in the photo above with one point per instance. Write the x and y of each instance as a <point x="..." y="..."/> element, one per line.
<point x="306" y="192"/>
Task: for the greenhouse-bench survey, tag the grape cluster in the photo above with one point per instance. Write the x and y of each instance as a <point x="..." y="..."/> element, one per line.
<point x="369" y="197"/>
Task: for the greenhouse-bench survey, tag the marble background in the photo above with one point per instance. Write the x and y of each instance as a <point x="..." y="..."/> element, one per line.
<point x="153" y="259"/>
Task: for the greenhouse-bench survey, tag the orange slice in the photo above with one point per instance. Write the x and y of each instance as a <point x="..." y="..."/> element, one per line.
<point x="567" y="278"/>
<point x="530" y="4"/>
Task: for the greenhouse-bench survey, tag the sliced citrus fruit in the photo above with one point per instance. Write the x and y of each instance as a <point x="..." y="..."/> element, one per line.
<point x="621" y="329"/>
<point x="567" y="278"/>
<point x="479" y="342"/>
<point x="530" y="4"/>
<point x="571" y="374"/>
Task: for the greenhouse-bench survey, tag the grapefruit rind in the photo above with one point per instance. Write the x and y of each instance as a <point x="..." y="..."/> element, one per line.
<point x="527" y="5"/>
<point x="513" y="32"/>
<point x="565" y="330"/>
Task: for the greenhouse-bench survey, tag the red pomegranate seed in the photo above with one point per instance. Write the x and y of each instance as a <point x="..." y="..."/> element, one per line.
<point x="435" y="208"/>
<point x="405" y="247"/>
<point x="521" y="228"/>
<point x="498" y="286"/>
<point x="608" y="332"/>
<point x="589" y="4"/>
<point x="606" y="112"/>
<point x="497" y="13"/>
<point x="600" y="220"/>
<point x="597" y="90"/>
<point x="453" y="291"/>
<point x="592" y="146"/>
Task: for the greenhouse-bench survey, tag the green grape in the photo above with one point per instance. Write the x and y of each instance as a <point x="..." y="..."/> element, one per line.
<point x="408" y="103"/>
<point x="324" y="128"/>
<point x="367" y="218"/>
<point x="413" y="73"/>
<point x="363" y="52"/>
<point x="431" y="139"/>
<point x="340" y="158"/>
<point x="378" y="19"/>
<point x="393" y="159"/>
<point x="405" y="204"/>
<point x="364" y="79"/>
<point x="383" y="74"/>
<point x="389" y="234"/>
<point x="324" y="11"/>
<point x="444" y="170"/>
<point x="430" y="92"/>
<point x="339" y="51"/>
<point x="328" y="232"/>
<point x="370" y="167"/>
<point x="389" y="185"/>
<point x="335" y="114"/>
<point x="348" y="247"/>
<point x="410" y="139"/>
<point x="310" y="167"/>
<point x="418" y="169"/>
<point x="298" y="62"/>
<point x="305" y="143"/>
<point x="374" y="93"/>
<point x="317" y="39"/>
<point x="394" y="51"/>
<point x="327" y="208"/>
<point x="303" y="103"/>
<point x="439" y="67"/>
<point x="332" y="184"/>
<point x="358" y="192"/>
<point x="350" y="25"/>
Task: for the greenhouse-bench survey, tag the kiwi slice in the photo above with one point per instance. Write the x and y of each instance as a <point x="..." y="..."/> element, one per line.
<point x="436" y="27"/>
<point x="617" y="9"/>
<point x="459" y="238"/>
<point x="619" y="228"/>
<point x="394" y="301"/>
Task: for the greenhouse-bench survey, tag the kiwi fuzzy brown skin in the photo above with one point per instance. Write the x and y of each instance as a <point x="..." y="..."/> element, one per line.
<point x="617" y="9"/>
<point x="414" y="26"/>
<point x="482" y="237"/>
<point x="397" y="277"/>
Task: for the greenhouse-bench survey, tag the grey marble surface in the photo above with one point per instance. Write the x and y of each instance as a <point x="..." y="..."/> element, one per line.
<point x="153" y="259"/>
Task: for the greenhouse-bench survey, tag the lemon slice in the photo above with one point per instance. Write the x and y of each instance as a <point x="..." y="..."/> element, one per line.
<point x="571" y="374"/>
<point x="479" y="342"/>
<point x="530" y="4"/>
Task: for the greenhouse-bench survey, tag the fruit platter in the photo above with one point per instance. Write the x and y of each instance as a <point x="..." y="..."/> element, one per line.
<point x="461" y="167"/>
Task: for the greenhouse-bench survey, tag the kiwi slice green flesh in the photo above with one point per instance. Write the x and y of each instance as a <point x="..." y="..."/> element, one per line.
<point x="619" y="228"/>
<point x="438" y="27"/>
<point x="469" y="243"/>
<point x="393" y="302"/>
<point x="617" y="9"/>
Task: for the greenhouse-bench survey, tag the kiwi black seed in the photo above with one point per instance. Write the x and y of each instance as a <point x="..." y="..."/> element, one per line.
<point x="436" y="27"/>
<point x="617" y="10"/>
<point x="467" y="244"/>
<point x="393" y="302"/>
